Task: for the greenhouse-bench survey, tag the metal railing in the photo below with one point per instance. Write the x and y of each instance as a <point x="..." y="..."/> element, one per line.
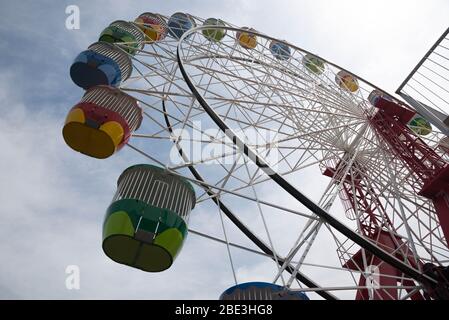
<point x="426" y="88"/>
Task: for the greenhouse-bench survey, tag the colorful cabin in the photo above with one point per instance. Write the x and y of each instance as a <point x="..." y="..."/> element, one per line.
<point x="261" y="291"/>
<point x="153" y="25"/>
<point x="247" y="40"/>
<point x="216" y="34"/>
<point x="145" y="225"/>
<point x="391" y="106"/>
<point x="313" y="64"/>
<point x="101" y="64"/>
<point x="102" y="122"/>
<point x="280" y="50"/>
<point x="419" y="125"/>
<point x="125" y="33"/>
<point x="179" y="23"/>
<point x="346" y="81"/>
<point x="375" y="96"/>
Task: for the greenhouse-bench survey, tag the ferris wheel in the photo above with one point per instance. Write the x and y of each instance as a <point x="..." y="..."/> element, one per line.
<point x="343" y="187"/>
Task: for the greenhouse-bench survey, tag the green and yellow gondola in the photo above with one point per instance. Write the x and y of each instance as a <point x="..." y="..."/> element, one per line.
<point x="146" y="224"/>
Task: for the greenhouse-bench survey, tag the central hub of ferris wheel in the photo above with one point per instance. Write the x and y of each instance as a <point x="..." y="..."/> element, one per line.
<point x="149" y="82"/>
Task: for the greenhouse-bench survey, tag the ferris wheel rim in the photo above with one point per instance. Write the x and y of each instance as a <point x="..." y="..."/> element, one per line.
<point x="350" y="234"/>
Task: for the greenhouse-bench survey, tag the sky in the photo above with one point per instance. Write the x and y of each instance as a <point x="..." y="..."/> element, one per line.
<point x="53" y="199"/>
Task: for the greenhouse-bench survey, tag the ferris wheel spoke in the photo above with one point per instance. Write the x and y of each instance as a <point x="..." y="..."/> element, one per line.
<point x="314" y="265"/>
<point x="162" y="78"/>
<point x="302" y="239"/>
<point x="280" y="111"/>
<point x="238" y="246"/>
<point x="224" y="190"/>
<point x="261" y="178"/>
<point x="229" y="82"/>
<point x="252" y="105"/>
<point x="156" y="93"/>
<point x="326" y="201"/>
<point x="165" y="55"/>
<point x="163" y="128"/>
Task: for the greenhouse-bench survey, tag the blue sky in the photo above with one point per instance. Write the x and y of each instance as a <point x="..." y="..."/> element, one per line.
<point x="52" y="199"/>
